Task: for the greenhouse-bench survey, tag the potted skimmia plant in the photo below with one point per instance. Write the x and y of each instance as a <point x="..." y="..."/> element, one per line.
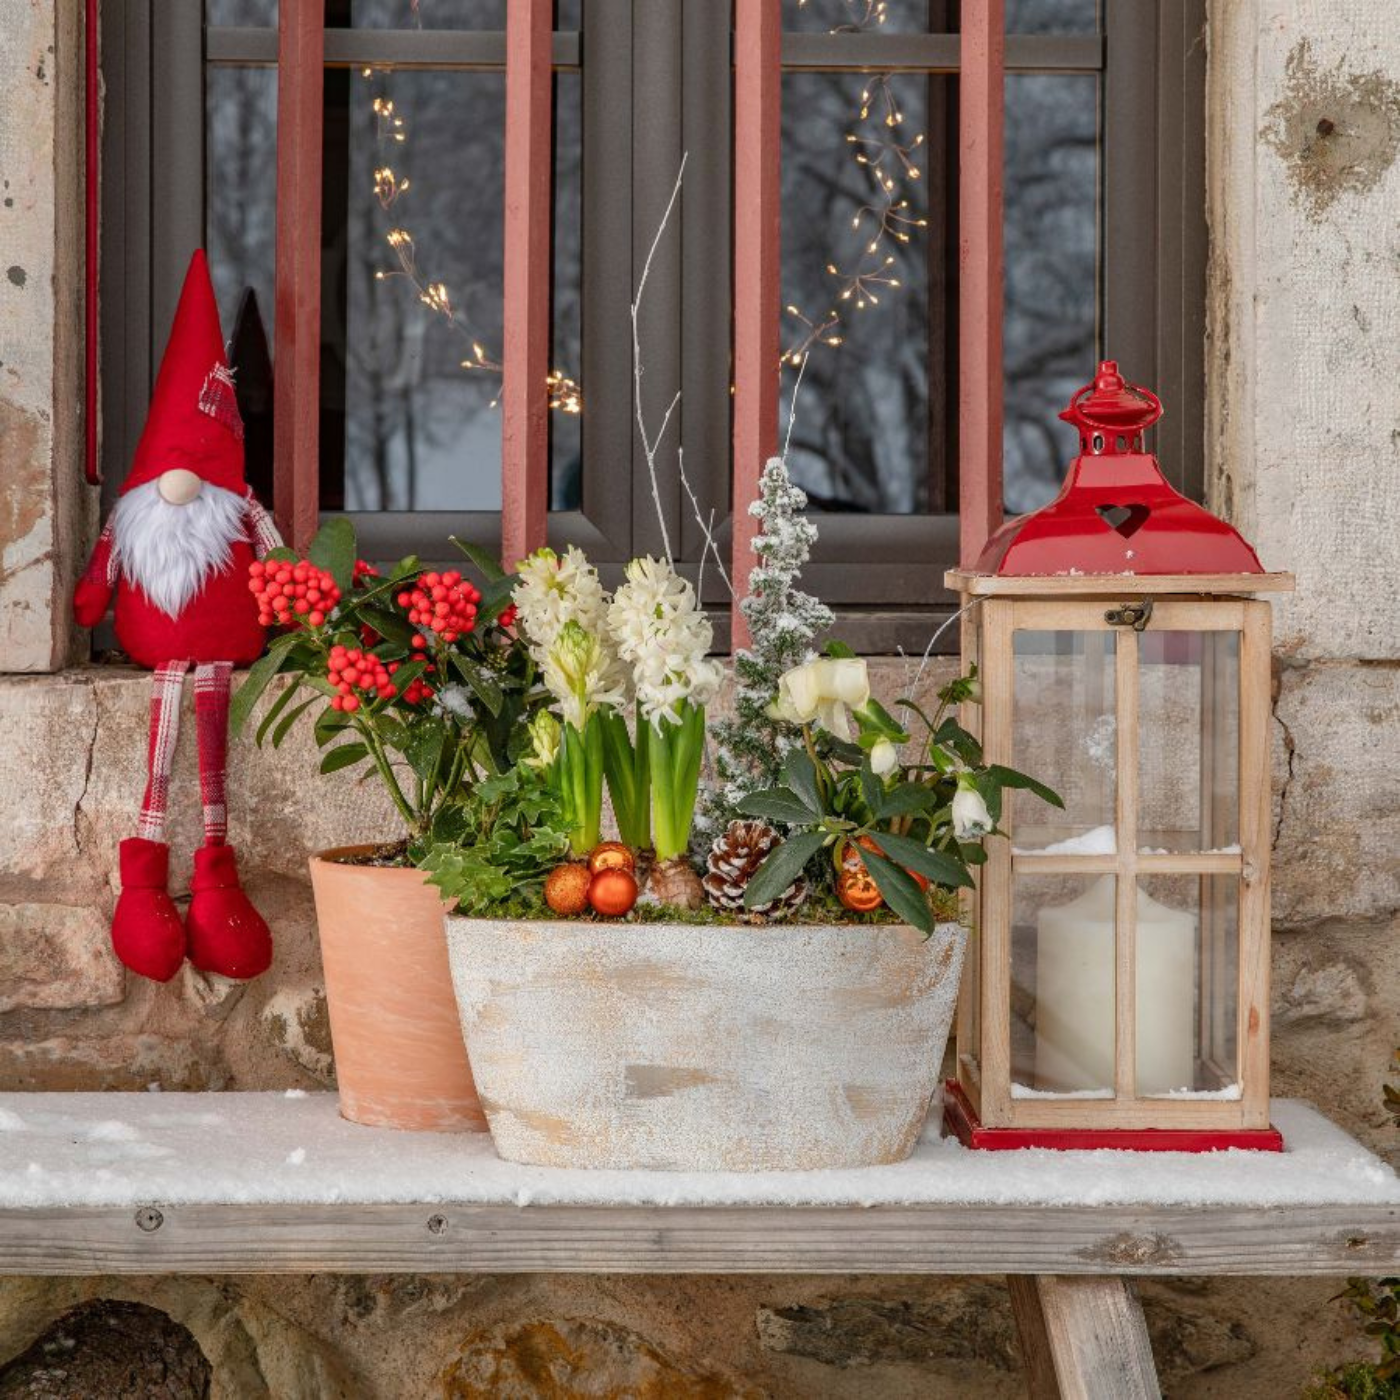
<point x="417" y="679"/>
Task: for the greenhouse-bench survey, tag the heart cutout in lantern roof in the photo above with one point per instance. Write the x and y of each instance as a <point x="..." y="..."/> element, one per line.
<point x="1161" y="533"/>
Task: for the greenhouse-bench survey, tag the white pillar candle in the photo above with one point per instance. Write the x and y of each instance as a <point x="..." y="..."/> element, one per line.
<point x="1074" y="994"/>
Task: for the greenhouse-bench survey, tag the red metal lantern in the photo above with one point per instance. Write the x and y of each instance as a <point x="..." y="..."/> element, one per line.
<point x="1116" y="992"/>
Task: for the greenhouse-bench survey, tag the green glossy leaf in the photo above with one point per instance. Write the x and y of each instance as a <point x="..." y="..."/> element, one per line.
<point x="275" y="709"/>
<point x="424" y="748"/>
<point x="333" y="549"/>
<point x="290" y="718"/>
<point x="328" y="724"/>
<point x="1009" y="777"/>
<point x="907" y="798"/>
<point x="343" y="757"/>
<point x="259" y="676"/>
<point x="839" y="650"/>
<point x="406" y="675"/>
<point x="495" y="599"/>
<point x="937" y="866"/>
<point x="482" y="682"/>
<point x="874" y="718"/>
<point x="900" y="890"/>
<point x="800" y="776"/>
<point x="484" y="560"/>
<point x="282" y="555"/>
<point x="773" y="878"/>
<point x="778" y="804"/>
<point x="872" y="790"/>
<point x="390" y="625"/>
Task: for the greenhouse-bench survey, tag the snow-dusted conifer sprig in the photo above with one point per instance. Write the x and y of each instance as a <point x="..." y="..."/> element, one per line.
<point x="749" y="744"/>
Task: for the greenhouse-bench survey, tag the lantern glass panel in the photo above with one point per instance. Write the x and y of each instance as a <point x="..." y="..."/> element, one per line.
<point x="1189" y="732"/>
<point x="1062" y="986"/>
<point x="1065" y="731"/>
<point x="1187" y="977"/>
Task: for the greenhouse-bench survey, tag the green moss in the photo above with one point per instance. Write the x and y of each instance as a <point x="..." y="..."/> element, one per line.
<point x="1357" y="1380"/>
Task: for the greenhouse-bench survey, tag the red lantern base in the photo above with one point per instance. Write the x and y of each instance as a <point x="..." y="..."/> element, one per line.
<point x="960" y="1119"/>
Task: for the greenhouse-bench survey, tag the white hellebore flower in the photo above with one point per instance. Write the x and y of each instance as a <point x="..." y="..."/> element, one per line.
<point x="884" y="758"/>
<point x="581" y="674"/>
<point x="660" y="631"/>
<point x="971" y="819"/>
<point x="823" y="692"/>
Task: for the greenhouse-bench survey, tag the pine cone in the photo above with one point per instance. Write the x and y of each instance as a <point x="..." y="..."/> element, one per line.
<point x="734" y="860"/>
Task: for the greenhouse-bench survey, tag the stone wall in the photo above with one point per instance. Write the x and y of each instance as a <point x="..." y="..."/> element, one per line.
<point x="1303" y="444"/>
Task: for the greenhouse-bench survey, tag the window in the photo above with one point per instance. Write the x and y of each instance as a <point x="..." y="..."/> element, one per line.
<point x="1104" y="241"/>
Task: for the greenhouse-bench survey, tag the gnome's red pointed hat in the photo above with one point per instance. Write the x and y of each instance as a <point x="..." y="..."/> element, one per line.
<point x="193" y="421"/>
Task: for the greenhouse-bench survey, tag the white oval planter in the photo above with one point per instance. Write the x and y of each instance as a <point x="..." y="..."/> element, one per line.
<point x="698" y="1048"/>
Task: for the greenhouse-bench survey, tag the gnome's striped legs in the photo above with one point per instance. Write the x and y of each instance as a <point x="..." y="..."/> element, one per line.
<point x="226" y="934"/>
<point x="166" y="686"/>
<point x="211" y="696"/>
<point x="146" y="931"/>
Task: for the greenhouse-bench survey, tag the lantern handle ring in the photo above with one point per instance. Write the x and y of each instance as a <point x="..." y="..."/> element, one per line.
<point x="1134" y="615"/>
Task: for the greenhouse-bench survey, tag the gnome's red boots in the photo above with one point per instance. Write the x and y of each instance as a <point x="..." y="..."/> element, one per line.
<point x="146" y="931"/>
<point x="226" y="934"/>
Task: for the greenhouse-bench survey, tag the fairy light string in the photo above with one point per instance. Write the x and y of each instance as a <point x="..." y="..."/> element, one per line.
<point x="391" y="131"/>
<point x="891" y="162"/>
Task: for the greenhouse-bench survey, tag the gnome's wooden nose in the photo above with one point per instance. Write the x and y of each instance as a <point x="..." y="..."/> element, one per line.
<point x="178" y="487"/>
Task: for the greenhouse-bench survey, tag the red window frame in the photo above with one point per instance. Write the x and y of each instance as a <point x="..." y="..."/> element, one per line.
<point x="757" y="235"/>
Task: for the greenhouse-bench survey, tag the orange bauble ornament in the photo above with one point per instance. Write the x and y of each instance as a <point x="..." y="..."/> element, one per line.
<point x="566" y="889"/>
<point x="613" y="892"/>
<point x="612" y="855"/>
<point x="855" y="888"/>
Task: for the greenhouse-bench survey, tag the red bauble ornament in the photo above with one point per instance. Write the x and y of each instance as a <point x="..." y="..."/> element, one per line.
<point x="612" y="855"/>
<point x="613" y="893"/>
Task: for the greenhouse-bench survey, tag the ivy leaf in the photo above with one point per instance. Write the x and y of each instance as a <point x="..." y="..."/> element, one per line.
<point x="1009" y="777"/>
<point x="333" y="549"/>
<point x="937" y="866"/>
<point x="343" y="757"/>
<point x="775" y="876"/>
<point x="778" y="804"/>
<point x="900" y="890"/>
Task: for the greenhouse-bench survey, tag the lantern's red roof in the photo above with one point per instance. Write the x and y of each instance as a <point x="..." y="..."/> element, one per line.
<point x="1117" y="513"/>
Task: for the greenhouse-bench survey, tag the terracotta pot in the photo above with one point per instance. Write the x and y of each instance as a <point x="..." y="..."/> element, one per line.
<point x="399" y="1057"/>
<point x="696" y="1048"/>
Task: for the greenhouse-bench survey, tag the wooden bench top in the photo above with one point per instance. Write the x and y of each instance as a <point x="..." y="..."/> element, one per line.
<point x="271" y="1182"/>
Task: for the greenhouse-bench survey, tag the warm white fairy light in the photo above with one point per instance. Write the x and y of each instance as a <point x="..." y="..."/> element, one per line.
<point x="565" y="393"/>
<point x="891" y="164"/>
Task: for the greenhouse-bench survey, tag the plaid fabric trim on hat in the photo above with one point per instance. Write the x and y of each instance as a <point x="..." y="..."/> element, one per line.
<point x="220" y="401"/>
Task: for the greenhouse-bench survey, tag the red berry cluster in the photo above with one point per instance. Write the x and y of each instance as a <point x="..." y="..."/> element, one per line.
<point x="363" y="572"/>
<point x="351" y="670"/>
<point x="289" y="594"/>
<point x="442" y="603"/>
<point x="417" y="690"/>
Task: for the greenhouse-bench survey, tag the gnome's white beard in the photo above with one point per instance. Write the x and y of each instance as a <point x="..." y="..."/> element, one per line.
<point x="168" y="551"/>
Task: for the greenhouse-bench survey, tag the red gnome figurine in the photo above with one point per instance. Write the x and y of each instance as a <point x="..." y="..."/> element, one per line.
<point x="176" y="552"/>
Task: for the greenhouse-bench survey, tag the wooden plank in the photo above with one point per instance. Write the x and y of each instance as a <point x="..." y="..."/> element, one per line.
<point x="1255" y="842"/>
<point x="1037" y="1356"/>
<point x="524" y="392"/>
<point x="1115" y="586"/>
<point x="1097" y="1338"/>
<point x="445" y="1238"/>
<point x="297" y="295"/>
<point x="461" y="50"/>
<point x="758" y="98"/>
<point x="981" y="117"/>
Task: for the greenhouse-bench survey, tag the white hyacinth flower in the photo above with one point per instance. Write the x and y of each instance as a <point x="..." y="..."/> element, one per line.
<point x="581" y="673"/>
<point x="971" y="819"/>
<point x="554" y="590"/>
<point x="663" y="635"/>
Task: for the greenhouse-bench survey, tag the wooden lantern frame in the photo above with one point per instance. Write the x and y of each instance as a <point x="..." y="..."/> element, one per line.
<point x="980" y="1107"/>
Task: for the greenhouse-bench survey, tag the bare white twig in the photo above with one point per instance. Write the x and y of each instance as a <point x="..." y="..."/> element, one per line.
<point x="707" y="528"/>
<point x="911" y="688"/>
<point x="792" y="407"/>
<point x="650" y="444"/>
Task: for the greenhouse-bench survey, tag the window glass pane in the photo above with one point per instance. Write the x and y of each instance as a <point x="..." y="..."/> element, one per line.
<point x="1062" y="985"/>
<point x="1188" y="741"/>
<point x="862" y="267"/>
<point x="415" y="14"/>
<point x="414" y="320"/>
<point x="1187" y="977"/>
<point x="1052" y="16"/>
<point x="1064" y="730"/>
<point x="870" y="16"/>
<point x="1052" y="255"/>
<point x="240" y="238"/>
<point x="255" y="14"/>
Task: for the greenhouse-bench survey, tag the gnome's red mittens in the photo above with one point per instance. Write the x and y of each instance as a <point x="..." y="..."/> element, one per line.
<point x="226" y="934"/>
<point x="90" y="602"/>
<point x="146" y="931"/>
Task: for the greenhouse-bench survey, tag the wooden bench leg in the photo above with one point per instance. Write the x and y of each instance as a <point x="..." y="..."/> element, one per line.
<point x="1083" y="1338"/>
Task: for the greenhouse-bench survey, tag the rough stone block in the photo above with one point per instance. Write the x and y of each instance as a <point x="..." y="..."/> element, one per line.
<point x="56" y="955"/>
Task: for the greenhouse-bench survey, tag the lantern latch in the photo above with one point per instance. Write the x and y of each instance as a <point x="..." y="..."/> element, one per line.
<point x="1134" y="615"/>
